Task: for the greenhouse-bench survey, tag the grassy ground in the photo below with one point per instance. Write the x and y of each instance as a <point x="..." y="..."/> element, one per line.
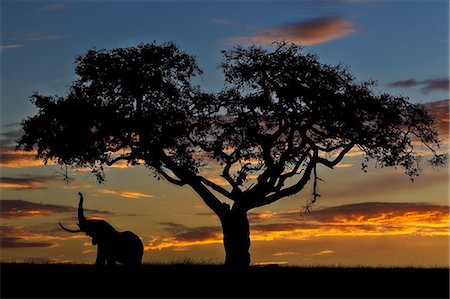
<point x="200" y="281"/>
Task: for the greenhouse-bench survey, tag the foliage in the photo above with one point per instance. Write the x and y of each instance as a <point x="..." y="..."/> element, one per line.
<point x="281" y="114"/>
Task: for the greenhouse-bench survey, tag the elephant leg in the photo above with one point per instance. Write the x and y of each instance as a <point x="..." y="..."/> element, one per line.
<point x="101" y="256"/>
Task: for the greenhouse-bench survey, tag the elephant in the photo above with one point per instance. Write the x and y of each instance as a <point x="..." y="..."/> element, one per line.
<point x="113" y="246"/>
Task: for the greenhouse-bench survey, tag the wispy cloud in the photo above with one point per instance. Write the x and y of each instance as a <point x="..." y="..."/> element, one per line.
<point x="324" y="252"/>
<point x="12" y="158"/>
<point x="127" y="194"/>
<point x="53" y="6"/>
<point x="17" y="237"/>
<point x="427" y="86"/>
<point x="39" y="36"/>
<point x="26" y="182"/>
<point x="356" y="220"/>
<point x="183" y="236"/>
<point x="311" y="32"/>
<point x="23" y="237"/>
<point x="23" y="38"/>
<point x="439" y="110"/>
<point x="285" y="253"/>
<point x="21" y="208"/>
<point x="10" y="46"/>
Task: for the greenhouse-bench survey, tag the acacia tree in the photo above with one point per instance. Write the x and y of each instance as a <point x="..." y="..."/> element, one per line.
<point x="280" y="116"/>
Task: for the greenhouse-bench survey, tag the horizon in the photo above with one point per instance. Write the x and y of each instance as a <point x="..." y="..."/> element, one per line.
<point x="378" y="218"/>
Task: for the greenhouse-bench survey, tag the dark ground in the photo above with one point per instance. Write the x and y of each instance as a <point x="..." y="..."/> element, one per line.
<point x="200" y="281"/>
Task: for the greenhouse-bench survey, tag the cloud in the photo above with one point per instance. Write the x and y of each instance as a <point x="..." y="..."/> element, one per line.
<point x="305" y="33"/>
<point x="18" y="242"/>
<point x="355" y="220"/>
<point x="14" y="134"/>
<point x="26" y="182"/>
<point x="20" y="237"/>
<point x="21" y="208"/>
<point x="382" y="211"/>
<point x="363" y="219"/>
<point x="12" y="158"/>
<point x="324" y="252"/>
<point x="285" y="253"/>
<point x="427" y="86"/>
<point x="53" y="6"/>
<point x="39" y="36"/>
<point x="439" y="110"/>
<point x="183" y="236"/>
<point x="127" y="194"/>
<point x="10" y="47"/>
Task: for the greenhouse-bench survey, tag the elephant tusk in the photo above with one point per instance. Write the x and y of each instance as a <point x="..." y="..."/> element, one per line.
<point x="69" y="230"/>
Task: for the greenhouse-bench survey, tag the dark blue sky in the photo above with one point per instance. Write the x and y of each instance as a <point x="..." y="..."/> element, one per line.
<point x="388" y="41"/>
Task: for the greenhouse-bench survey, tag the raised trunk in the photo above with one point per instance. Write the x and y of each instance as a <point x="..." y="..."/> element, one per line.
<point x="81" y="218"/>
<point x="236" y="238"/>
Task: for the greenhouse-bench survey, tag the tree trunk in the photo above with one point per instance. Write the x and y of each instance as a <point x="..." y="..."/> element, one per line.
<point x="236" y="238"/>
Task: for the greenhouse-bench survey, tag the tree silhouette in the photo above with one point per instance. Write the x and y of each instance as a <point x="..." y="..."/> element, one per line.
<point x="280" y="116"/>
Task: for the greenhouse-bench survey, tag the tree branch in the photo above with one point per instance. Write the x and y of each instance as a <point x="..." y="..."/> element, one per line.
<point x="288" y="191"/>
<point x="194" y="181"/>
<point x="338" y="159"/>
<point x="294" y="171"/>
<point x="226" y="175"/>
<point x="171" y="179"/>
<point x="216" y="187"/>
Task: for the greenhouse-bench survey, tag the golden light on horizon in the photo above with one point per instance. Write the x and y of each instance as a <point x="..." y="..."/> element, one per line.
<point x="421" y="223"/>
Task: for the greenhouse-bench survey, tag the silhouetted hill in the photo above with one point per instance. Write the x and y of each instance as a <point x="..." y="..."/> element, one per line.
<point x="199" y="281"/>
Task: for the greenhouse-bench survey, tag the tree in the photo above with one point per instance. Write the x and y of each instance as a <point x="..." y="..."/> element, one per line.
<point x="281" y="115"/>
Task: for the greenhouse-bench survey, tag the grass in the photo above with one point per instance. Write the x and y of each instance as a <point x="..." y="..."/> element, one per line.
<point x="215" y="281"/>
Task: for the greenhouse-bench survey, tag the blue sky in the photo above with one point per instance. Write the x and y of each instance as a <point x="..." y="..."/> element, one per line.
<point x="389" y="40"/>
<point x="402" y="44"/>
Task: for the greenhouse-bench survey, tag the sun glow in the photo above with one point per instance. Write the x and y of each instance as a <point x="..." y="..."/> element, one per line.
<point x="421" y="223"/>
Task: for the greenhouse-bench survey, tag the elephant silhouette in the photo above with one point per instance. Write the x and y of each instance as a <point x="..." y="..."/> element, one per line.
<point x="113" y="246"/>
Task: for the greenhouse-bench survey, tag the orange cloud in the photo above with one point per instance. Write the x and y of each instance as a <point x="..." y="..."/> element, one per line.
<point x="356" y="220"/>
<point x="284" y="253"/>
<point x="21" y="237"/>
<point x="173" y="242"/>
<point x="127" y="194"/>
<point x="305" y="33"/>
<point x="23" y="208"/>
<point x="365" y="219"/>
<point x="11" y="158"/>
<point x="324" y="252"/>
<point x="26" y="182"/>
<point x="439" y="110"/>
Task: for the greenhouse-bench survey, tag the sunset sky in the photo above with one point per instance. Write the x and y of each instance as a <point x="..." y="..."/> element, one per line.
<point x="372" y="218"/>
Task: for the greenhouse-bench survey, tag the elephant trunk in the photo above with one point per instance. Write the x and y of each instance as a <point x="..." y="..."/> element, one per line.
<point x="81" y="219"/>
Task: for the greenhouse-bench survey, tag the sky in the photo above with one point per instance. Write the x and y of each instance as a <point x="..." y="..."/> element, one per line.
<point x="373" y="218"/>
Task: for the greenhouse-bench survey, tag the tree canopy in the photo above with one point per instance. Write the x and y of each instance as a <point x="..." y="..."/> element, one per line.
<point x="281" y="114"/>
